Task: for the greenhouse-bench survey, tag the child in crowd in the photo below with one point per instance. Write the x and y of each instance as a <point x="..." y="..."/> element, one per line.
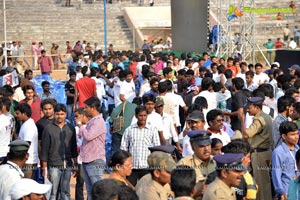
<point x="216" y="146"/>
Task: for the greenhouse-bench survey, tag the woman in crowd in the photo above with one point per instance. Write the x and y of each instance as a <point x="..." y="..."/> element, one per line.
<point x="121" y="164"/>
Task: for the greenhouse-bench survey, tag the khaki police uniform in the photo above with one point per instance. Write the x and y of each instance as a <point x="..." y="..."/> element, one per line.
<point x="218" y="190"/>
<point x="145" y="181"/>
<point x="152" y="190"/>
<point x="202" y="168"/>
<point x="260" y="139"/>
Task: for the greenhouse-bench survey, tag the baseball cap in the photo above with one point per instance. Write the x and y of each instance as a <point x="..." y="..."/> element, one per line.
<point x="159" y="102"/>
<point x="276" y="63"/>
<point x="196" y="115"/>
<point x="294" y="67"/>
<point x="161" y="160"/>
<point x="25" y="186"/>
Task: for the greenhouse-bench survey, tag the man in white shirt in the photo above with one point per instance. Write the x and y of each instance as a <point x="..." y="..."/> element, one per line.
<point x="14" y="49"/>
<point x="11" y="172"/>
<point x="286" y="33"/>
<point x="195" y="121"/>
<point x="212" y="97"/>
<point x="140" y="65"/>
<point x="153" y="118"/>
<point x="242" y="73"/>
<point x="260" y="77"/>
<point x="169" y="131"/>
<point x="177" y="101"/>
<point x="28" y="133"/>
<point x="292" y="44"/>
<point x="117" y="87"/>
<point x="5" y="133"/>
<point x="215" y="120"/>
<point x="127" y="89"/>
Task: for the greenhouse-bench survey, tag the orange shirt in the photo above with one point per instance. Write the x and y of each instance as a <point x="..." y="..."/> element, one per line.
<point x="233" y="69"/>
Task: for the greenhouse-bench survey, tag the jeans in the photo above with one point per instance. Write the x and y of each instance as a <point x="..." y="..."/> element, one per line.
<point x="296" y="38"/>
<point x="116" y="142"/>
<point x="29" y="171"/>
<point x="92" y="172"/>
<point x="103" y="111"/>
<point x="60" y="179"/>
<point x="79" y="184"/>
<point x="269" y="56"/>
<point x="70" y="113"/>
<point x="110" y="108"/>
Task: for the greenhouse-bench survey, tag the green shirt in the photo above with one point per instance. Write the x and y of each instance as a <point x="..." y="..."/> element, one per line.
<point x="269" y="46"/>
<point x="128" y="114"/>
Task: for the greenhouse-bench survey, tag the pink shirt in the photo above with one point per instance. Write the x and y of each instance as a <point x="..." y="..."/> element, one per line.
<point x="45" y="63"/>
<point x="39" y="49"/>
<point x="34" y="50"/>
<point x="159" y="66"/>
<point x="93" y="140"/>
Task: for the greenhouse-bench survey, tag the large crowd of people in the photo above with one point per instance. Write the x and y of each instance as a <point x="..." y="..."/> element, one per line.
<point x="182" y="127"/>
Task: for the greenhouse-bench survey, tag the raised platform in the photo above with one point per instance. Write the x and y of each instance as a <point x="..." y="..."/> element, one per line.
<point x="287" y="58"/>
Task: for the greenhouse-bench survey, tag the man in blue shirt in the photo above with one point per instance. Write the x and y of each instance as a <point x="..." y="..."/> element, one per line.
<point x="294" y="187"/>
<point x="284" y="166"/>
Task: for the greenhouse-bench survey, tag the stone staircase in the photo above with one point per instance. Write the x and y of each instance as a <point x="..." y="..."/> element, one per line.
<point x="49" y="21"/>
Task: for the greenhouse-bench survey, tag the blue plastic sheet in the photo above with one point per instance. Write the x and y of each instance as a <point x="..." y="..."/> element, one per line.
<point x="56" y="86"/>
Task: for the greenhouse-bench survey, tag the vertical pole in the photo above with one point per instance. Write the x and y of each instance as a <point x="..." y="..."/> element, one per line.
<point x="4" y="23"/>
<point x="105" y="31"/>
<point x="133" y="35"/>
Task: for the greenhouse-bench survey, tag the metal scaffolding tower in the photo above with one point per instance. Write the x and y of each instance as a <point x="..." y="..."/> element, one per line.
<point x="235" y="28"/>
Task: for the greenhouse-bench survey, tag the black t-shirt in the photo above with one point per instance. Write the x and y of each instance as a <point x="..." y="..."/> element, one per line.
<point x="71" y="89"/>
<point x="239" y="100"/>
<point x="41" y="124"/>
<point x="241" y="190"/>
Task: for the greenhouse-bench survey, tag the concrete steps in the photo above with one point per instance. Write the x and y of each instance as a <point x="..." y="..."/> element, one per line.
<point x="48" y="21"/>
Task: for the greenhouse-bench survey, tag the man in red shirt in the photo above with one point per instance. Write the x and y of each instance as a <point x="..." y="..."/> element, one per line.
<point x="84" y="88"/>
<point x="278" y="44"/>
<point x="232" y="67"/>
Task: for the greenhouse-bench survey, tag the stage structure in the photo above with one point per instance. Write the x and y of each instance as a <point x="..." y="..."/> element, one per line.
<point x="190" y="25"/>
<point x="231" y="20"/>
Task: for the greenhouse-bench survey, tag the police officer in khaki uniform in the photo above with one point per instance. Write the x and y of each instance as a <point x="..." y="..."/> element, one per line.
<point x="201" y="160"/>
<point x="230" y="171"/>
<point x="170" y="149"/>
<point x="259" y="136"/>
<point x="161" y="165"/>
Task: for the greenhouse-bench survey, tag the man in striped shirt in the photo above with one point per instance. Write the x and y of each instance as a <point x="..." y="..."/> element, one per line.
<point x="136" y="140"/>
